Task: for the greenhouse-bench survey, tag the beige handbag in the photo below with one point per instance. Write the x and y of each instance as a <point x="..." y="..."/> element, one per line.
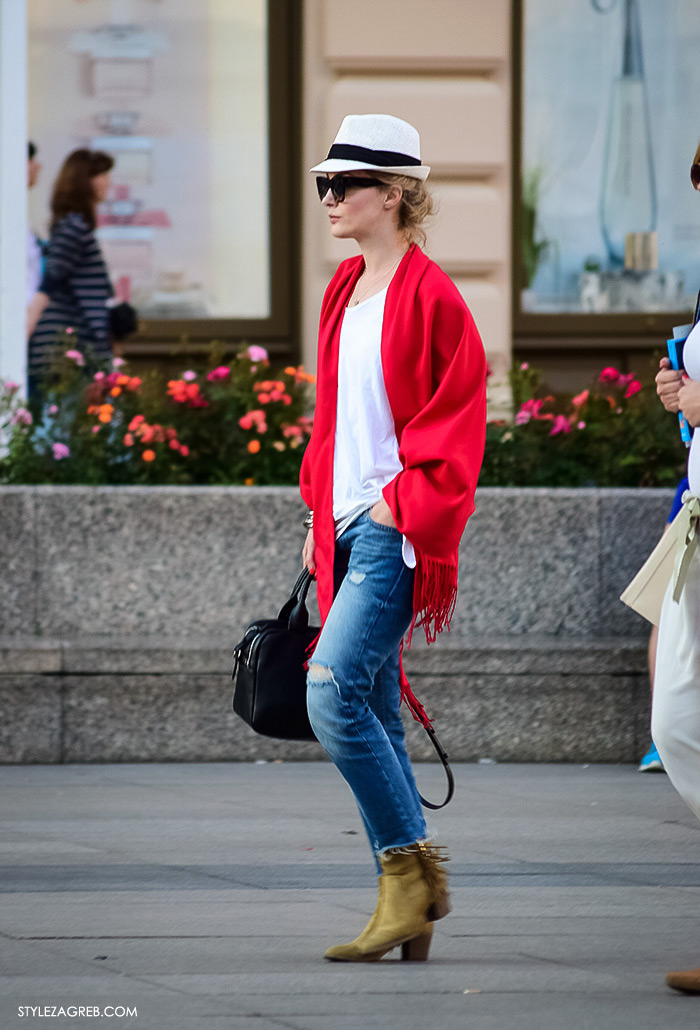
<point x="671" y="556"/>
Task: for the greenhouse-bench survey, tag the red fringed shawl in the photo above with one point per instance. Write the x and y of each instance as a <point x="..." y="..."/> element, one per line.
<point x="435" y="376"/>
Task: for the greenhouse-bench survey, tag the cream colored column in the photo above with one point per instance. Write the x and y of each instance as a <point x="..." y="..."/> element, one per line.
<point x="13" y="189"/>
<point x="443" y="65"/>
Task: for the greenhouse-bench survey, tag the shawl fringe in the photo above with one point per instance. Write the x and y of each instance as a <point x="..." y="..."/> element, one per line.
<point x="409" y="698"/>
<point x="434" y="596"/>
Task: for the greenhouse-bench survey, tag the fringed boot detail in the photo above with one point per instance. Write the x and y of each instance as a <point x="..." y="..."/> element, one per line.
<point x="412" y="893"/>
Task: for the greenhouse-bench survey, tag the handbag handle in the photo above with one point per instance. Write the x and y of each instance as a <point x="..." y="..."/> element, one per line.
<point x="442" y="755"/>
<point x="294" y="610"/>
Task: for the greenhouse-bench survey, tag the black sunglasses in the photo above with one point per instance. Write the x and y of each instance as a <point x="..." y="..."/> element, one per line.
<point x="695" y="175"/>
<point x="340" y="183"/>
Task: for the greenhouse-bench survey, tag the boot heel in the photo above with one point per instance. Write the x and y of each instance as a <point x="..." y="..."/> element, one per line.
<point x="417" y="949"/>
<point x="439" y="909"/>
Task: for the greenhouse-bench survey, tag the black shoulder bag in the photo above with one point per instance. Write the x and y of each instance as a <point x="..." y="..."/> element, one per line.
<point x="269" y="677"/>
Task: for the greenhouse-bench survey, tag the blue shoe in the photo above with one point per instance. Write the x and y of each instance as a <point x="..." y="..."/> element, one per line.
<point x="651" y="761"/>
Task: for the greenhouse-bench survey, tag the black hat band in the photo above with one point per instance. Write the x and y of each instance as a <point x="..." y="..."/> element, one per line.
<point x="383" y="158"/>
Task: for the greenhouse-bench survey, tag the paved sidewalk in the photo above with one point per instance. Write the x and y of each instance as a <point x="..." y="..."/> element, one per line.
<point x="205" y="895"/>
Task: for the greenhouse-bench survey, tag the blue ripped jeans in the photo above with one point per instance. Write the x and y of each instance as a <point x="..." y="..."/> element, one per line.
<point x="354" y="692"/>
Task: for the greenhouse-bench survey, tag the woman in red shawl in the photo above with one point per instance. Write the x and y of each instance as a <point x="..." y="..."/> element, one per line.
<point x="389" y="477"/>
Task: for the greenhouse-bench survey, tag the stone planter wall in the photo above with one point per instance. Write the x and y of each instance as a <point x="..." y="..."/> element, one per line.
<point x="119" y="608"/>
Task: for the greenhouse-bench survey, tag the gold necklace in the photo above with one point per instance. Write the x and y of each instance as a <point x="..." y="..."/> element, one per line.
<point x="357" y="299"/>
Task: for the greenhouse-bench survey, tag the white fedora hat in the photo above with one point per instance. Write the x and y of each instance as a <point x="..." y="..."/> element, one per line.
<point x="378" y="143"/>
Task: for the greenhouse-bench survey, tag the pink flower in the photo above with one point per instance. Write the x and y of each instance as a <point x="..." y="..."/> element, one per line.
<point x="98" y="377"/>
<point x="561" y="424"/>
<point x="580" y="425"/>
<point x="257" y="353"/>
<point x="11" y="387"/>
<point x="189" y="376"/>
<point x="69" y="330"/>
<point x="217" y="374"/>
<point x="75" y="356"/>
<point x="609" y="375"/>
<point x="634" y="387"/>
<point x="522" y="418"/>
<point x="22" y="417"/>
<point x="96" y="429"/>
<point x="60" y="450"/>
<point x="524" y="367"/>
<point x="580" y="399"/>
<point x="53" y="409"/>
<point x="118" y="362"/>
<point x="184" y="450"/>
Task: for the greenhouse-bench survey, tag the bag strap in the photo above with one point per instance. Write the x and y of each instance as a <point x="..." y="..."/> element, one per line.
<point x="442" y="755"/>
<point x="420" y="715"/>
<point x="294" y="611"/>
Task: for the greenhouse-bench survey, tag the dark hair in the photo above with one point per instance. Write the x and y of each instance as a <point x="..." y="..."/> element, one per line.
<point x="31" y="150"/>
<point x="72" y="191"/>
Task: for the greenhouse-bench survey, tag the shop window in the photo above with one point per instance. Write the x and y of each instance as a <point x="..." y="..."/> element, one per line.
<point x="180" y="94"/>
<point x="607" y="225"/>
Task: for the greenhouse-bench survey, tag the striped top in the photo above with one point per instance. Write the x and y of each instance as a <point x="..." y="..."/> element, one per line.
<point x="77" y="282"/>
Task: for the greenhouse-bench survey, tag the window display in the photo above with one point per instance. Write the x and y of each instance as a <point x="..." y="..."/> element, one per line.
<point x="176" y="92"/>
<point x="609" y="220"/>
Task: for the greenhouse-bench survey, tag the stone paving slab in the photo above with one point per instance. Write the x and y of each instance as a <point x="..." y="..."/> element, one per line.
<point x="204" y="896"/>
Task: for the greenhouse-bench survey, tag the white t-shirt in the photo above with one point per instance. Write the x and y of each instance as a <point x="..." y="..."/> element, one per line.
<point x="366" y="450"/>
<point x="691" y="360"/>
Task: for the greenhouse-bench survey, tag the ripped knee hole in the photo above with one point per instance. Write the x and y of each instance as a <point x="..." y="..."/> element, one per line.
<point x="319" y="673"/>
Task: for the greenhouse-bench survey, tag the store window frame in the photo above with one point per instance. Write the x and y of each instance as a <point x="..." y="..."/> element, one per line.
<point x="576" y="330"/>
<point x="280" y="329"/>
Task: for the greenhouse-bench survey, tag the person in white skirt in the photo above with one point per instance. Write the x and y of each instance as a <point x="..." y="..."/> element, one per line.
<point x="676" y="703"/>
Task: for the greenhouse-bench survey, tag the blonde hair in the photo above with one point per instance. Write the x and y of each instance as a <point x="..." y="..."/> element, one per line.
<point x="416" y="204"/>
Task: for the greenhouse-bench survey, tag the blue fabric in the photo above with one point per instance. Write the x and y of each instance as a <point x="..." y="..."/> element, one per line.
<point x="354" y="693"/>
<point x="678" y="499"/>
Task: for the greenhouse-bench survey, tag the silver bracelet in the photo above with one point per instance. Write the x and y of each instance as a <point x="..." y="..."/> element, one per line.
<point x="309" y="520"/>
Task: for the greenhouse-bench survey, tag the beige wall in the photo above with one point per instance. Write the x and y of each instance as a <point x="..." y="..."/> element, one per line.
<point x="443" y="65"/>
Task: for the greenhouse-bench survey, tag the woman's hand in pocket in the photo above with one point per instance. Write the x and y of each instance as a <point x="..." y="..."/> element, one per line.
<point x="381" y="513"/>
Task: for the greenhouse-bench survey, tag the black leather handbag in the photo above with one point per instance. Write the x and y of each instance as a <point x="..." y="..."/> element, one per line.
<point x="123" y="320"/>
<point x="269" y="673"/>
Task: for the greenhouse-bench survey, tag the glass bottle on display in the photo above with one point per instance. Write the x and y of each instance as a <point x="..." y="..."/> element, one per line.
<point x="628" y="192"/>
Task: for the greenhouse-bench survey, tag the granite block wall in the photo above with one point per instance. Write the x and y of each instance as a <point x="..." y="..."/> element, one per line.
<point x="195" y="562"/>
<point x="119" y="609"/>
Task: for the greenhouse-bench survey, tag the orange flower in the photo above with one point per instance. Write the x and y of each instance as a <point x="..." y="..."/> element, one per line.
<point x="254" y="446"/>
<point x="264" y="398"/>
<point x="115" y="391"/>
<point x="249" y="481"/>
<point x="122" y="380"/>
<point x="133" y="383"/>
<point x="149" y="455"/>
<point x="105" y="416"/>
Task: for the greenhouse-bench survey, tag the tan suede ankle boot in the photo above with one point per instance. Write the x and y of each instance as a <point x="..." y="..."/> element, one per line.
<point x="412" y="893"/>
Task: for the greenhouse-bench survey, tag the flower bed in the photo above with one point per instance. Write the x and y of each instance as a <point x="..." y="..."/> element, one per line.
<point x="240" y="423"/>
<point x="235" y="423"/>
<point x="614" y="433"/>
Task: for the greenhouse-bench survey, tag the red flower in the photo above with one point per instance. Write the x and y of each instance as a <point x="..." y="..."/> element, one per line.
<point x="634" y="387"/>
<point x="609" y="375"/>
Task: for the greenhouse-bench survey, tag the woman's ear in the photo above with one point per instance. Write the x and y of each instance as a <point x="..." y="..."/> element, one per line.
<point x="392" y="197"/>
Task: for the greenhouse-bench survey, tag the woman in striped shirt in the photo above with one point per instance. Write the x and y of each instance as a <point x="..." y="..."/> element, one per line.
<point x="75" y="288"/>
